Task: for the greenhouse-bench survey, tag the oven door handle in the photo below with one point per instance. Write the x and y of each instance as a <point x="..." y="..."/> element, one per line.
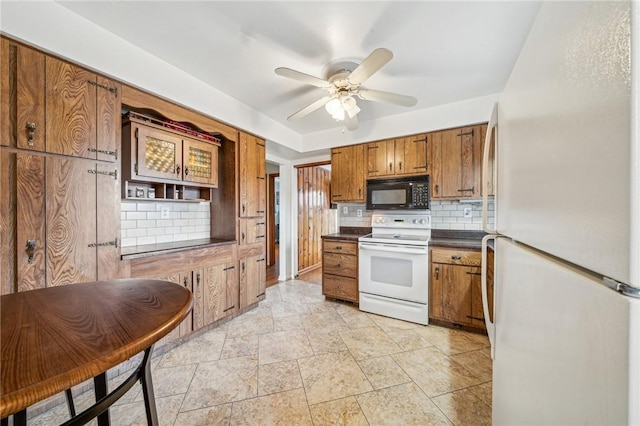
<point x="393" y="248"/>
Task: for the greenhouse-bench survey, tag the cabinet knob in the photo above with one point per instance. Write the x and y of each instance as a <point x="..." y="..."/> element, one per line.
<point x="437" y="272"/>
<point x="31" y="130"/>
<point x="177" y="169"/>
<point x="338" y="247"/>
<point x="400" y="165"/>
<point x="186" y="171"/>
<point x="456" y="257"/>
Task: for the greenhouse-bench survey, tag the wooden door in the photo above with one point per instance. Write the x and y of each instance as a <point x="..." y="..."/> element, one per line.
<point x="22" y="112"/>
<point x="108" y="123"/>
<point x="71" y="221"/>
<point x="436" y="292"/>
<point x="231" y="291"/>
<point x="348" y="174"/>
<point x="253" y="201"/>
<point x="199" y="302"/>
<point x="215" y="293"/>
<point x="158" y="154"/>
<point x="70" y="109"/>
<point x="186" y="326"/>
<point x="175" y="333"/>
<point x="411" y="155"/>
<point x="108" y="221"/>
<point x="200" y="162"/>
<point x="380" y="158"/>
<point x="456" y="293"/>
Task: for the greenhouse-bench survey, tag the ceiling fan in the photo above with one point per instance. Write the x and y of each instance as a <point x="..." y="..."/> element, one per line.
<point x="343" y="80"/>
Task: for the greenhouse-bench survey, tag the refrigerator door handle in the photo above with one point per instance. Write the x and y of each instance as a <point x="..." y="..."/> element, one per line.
<point x="493" y="124"/>
<point x="491" y="328"/>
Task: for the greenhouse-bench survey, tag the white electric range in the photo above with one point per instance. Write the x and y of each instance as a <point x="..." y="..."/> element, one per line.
<point x="393" y="269"/>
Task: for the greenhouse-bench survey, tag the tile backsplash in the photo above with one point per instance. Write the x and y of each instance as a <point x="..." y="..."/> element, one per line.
<point x="444" y="215"/>
<point x="142" y="222"/>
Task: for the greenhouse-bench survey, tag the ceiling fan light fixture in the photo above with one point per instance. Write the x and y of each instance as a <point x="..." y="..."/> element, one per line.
<point x="350" y="106"/>
<point x="335" y="109"/>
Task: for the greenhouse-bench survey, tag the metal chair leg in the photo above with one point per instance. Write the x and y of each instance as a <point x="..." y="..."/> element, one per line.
<point x="70" y="405"/>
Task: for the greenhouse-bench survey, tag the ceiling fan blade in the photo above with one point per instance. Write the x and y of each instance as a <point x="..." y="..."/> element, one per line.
<point x="351" y="122"/>
<point x="372" y="63"/>
<point x="392" y="98"/>
<point x="309" y="108"/>
<point x="305" y="78"/>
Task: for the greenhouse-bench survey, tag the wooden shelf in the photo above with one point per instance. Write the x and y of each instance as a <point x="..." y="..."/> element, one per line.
<point x="168" y="192"/>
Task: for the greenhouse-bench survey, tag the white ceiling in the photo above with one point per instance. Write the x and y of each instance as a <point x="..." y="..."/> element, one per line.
<point x="444" y="51"/>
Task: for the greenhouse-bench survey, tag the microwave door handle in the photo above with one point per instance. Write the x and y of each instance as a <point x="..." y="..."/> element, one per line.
<point x="493" y="125"/>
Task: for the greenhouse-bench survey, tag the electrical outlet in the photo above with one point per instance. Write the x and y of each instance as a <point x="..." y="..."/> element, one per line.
<point x="466" y="212"/>
<point x="164" y="212"/>
<point x="359" y="211"/>
<point x="345" y="210"/>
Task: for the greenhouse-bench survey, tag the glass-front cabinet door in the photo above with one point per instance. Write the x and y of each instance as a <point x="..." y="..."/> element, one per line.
<point x="200" y="160"/>
<point x="159" y="154"/>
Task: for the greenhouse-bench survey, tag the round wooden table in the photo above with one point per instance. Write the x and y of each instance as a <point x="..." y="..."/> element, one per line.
<point x="57" y="337"/>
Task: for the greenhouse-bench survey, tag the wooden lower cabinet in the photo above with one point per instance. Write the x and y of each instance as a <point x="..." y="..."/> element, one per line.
<point x="210" y="273"/>
<point x="340" y="269"/>
<point x="455" y="292"/>
<point x="252" y="279"/>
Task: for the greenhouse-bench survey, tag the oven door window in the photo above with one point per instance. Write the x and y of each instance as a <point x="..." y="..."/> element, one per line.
<point x="392" y="270"/>
<point x="397" y="271"/>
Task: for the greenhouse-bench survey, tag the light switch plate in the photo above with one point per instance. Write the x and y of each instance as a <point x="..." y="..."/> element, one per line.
<point x="466" y="212"/>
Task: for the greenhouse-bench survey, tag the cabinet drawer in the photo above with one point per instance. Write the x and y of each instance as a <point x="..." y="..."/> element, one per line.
<point x="340" y="264"/>
<point x="456" y="257"/>
<point x="340" y="247"/>
<point x="340" y="287"/>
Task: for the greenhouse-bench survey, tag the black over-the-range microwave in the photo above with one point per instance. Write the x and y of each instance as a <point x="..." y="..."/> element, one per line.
<point x="407" y="193"/>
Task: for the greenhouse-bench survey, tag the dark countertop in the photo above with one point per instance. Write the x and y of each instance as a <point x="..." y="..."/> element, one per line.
<point x="348" y="233"/>
<point x="456" y="239"/>
<point x="137" y="252"/>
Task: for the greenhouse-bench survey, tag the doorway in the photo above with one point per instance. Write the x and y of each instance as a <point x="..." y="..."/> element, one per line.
<point x="273" y="228"/>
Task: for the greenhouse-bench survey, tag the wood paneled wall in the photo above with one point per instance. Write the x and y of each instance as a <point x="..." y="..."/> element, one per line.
<point x="315" y="216"/>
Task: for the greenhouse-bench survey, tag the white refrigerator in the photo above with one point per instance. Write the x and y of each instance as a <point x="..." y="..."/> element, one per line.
<point x="565" y="334"/>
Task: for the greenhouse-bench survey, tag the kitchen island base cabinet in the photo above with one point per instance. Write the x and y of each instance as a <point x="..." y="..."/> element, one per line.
<point x="455" y="293"/>
<point x="340" y="269"/>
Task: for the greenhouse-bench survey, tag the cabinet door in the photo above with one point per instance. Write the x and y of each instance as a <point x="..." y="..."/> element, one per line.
<point x="186" y="326"/>
<point x="348" y="174"/>
<point x="215" y="293"/>
<point x="108" y="125"/>
<point x="252" y="280"/>
<point x="380" y="158"/>
<point x="232" y="291"/>
<point x="175" y="333"/>
<point x="158" y="154"/>
<point x="200" y="162"/>
<point x="477" y="312"/>
<point x="22" y="212"/>
<point x="411" y="155"/>
<point x="70" y="221"/>
<point x="198" y="299"/>
<point x="253" y="190"/>
<point x="70" y="109"/>
<point x="22" y="114"/>
<point x="456" y="293"/>
<point x="436" y="292"/>
<point x="108" y="221"/>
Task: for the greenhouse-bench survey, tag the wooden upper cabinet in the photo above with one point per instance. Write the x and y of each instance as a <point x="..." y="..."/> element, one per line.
<point x="23" y="97"/>
<point x="253" y="191"/>
<point x="348" y="174"/>
<point x="157" y="155"/>
<point x="457" y="163"/>
<point x="380" y="158"/>
<point x="402" y="156"/>
<point x="54" y="106"/>
<point x="82" y="112"/>
<point x="411" y="155"/>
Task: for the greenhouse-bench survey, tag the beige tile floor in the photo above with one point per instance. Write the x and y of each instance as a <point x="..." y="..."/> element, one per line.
<point x="299" y="359"/>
